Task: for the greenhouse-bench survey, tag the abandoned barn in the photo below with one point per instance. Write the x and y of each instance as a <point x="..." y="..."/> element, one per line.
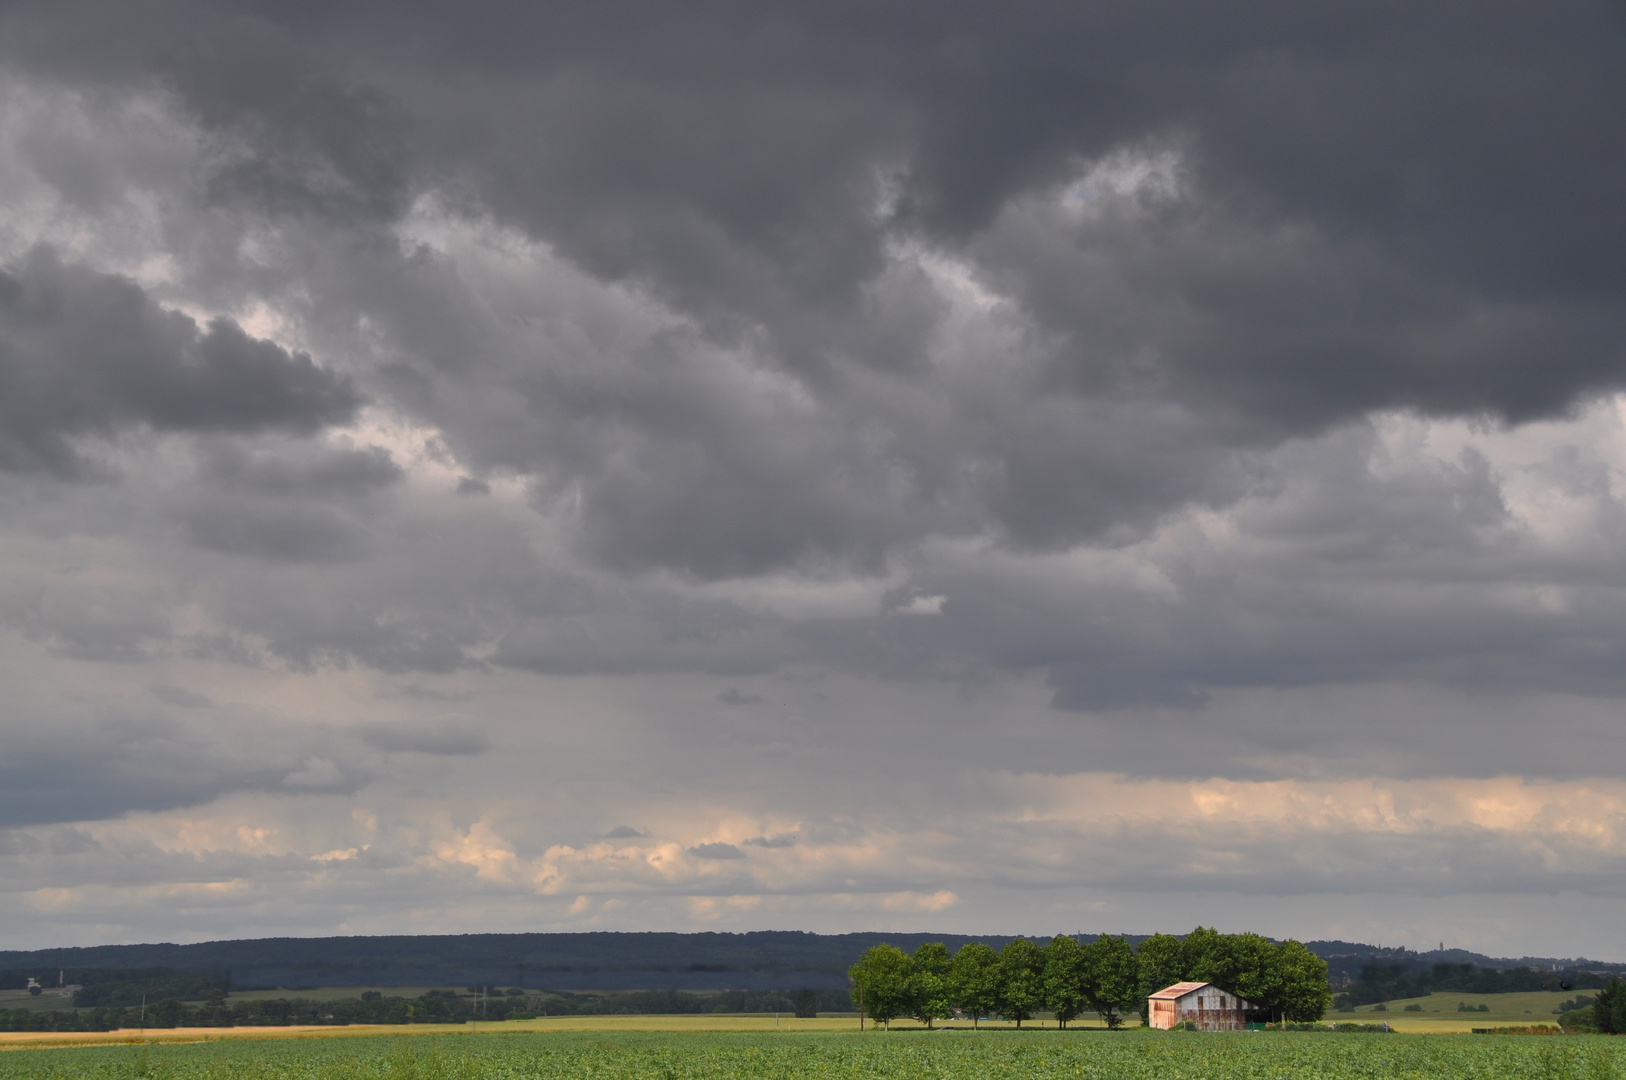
<point x="1203" y="1004"/>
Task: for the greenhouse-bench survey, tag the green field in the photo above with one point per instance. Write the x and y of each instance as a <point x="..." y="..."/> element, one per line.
<point x="1535" y="1007"/>
<point x="1134" y="1055"/>
<point x="22" y="999"/>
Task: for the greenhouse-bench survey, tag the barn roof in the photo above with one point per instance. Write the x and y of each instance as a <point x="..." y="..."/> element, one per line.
<point x="1178" y="990"/>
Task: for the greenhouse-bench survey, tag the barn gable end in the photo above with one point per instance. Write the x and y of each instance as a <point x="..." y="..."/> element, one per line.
<point x="1205" y="1005"/>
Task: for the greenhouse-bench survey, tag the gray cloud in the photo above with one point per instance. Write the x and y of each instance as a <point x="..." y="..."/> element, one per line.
<point x="716" y="851"/>
<point x="180" y="697"/>
<point x="90" y="768"/>
<point x="445" y="738"/>
<point x="85" y="353"/>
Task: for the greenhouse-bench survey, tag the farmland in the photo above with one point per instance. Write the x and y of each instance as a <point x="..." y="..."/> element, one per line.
<point x="612" y="1055"/>
<point x="1439" y="1012"/>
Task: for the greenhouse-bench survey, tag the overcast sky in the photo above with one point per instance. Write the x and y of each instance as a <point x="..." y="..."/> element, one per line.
<point x="835" y="466"/>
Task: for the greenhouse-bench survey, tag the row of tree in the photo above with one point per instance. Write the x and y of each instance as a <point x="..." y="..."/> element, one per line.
<point x="1284" y="980"/>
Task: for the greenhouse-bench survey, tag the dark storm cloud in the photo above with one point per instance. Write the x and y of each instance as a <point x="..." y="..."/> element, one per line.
<point x="1378" y="208"/>
<point x="85" y="769"/>
<point x="1461" y="156"/>
<point x="86" y="353"/>
<point x="721" y="359"/>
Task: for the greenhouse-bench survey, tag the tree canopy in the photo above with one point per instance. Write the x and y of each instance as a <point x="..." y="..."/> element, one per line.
<point x="1283" y="981"/>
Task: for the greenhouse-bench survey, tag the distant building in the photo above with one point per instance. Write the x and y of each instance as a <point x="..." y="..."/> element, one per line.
<point x="1199" y="1003"/>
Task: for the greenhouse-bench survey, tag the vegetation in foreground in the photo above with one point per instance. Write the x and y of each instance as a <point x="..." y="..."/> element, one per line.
<point x="1134" y="1055"/>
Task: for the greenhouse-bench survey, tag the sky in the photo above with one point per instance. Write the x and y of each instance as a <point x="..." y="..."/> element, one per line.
<point x="1007" y="468"/>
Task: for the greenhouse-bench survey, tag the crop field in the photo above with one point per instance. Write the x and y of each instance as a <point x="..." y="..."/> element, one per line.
<point x="1136" y="1055"/>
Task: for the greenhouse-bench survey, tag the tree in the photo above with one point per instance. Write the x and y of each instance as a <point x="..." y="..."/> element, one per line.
<point x="974" y="980"/>
<point x="1112" y="983"/>
<point x="930" y="989"/>
<point x="1064" y="977"/>
<point x="1609" y="1008"/>
<point x="1256" y="970"/>
<point x="1021" y="980"/>
<point x="1207" y="956"/>
<point x="1161" y="965"/>
<point x="881" y="982"/>
<point x="1305" y="993"/>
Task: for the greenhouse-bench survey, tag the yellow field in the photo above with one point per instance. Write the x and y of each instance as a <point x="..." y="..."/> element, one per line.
<point x="692" y="1023"/>
<point x="12" y="1040"/>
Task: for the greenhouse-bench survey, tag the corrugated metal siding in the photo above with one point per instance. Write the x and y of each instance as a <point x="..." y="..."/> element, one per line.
<point x="1208" y="1007"/>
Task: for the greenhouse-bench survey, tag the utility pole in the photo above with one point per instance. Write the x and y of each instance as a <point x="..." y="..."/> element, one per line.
<point x="143" y="1015"/>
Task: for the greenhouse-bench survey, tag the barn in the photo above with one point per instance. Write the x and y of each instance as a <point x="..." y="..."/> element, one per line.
<point x="1199" y="1003"/>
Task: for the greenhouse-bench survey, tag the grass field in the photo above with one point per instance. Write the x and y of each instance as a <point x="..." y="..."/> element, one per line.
<point x="1440" y="1011"/>
<point x="953" y="1055"/>
<point x="22" y="999"/>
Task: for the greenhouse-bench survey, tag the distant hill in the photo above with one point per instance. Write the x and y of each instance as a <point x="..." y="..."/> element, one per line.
<point x="761" y="960"/>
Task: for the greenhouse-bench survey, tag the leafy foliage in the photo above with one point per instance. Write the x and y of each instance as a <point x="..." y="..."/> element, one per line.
<point x="1065" y="974"/>
<point x="1021" y="980"/>
<point x="930" y="988"/>
<point x="974" y="979"/>
<point x="1283" y="981"/>
<point x="881" y="982"/>
<point x="1112" y="978"/>
<point x="1609" y="1008"/>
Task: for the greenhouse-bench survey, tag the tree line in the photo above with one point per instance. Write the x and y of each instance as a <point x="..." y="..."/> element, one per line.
<point x="432" y="1007"/>
<point x="1284" y="981"/>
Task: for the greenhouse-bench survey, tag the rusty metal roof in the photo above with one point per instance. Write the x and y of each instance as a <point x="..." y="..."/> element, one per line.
<point x="1178" y="990"/>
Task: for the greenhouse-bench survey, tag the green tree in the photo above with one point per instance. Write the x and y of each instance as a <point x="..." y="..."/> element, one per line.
<point x="930" y="988"/>
<point x="1112" y="982"/>
<point x="1021" y="980"/>
<point x="1256" y="970"/>
<point x="1207" y="956"/>
<point x="1305" y="993"/>
<point x="1064" y="977"/>
<point x="974" y="980"/>
<point x="881" y="982"/>
<point x="1609" y="1008"/>
<point x="1161" y="965"/>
